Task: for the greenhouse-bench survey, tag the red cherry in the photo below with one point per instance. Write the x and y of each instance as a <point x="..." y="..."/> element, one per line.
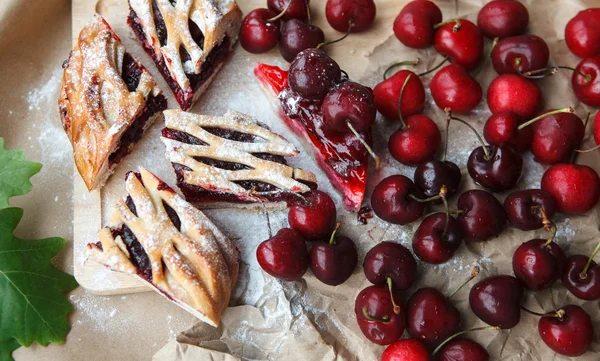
<point x="406" y="350"/>
<point x="298" y="9"/>
<point x="315" y="218"/>
<point x="520" y="54"/>
<point x="387" y="94"/>
<point x="418" y="141"/>
<point x="582" y="33"/>
<point x="556" y="136"/>
<point x="525" y="209"/>
<point x="462" y="349"/>
<point x="349" y="102"/>
<point x="284" y="255"/>
<point x="501" y="128"/>
<point x="333" y="262"/>
<point x="502" y="18"/>
<point x="482" y="217"/>
<point x="569" y="334"/>
<point x="497" y="167"/>
<point x="461" y="41"/>
<point x="513" y="93"/>
<point x="538" y="263"/>
<point x="575" y="188"/>
<point x="390" y="261"/>
<point x="430" y="316"/>
<point x="587" y="86"/>
<point x="296" y="36"/>
<point x="357" y="15"/>
<point x="435" y="243"/>
<point x="414" y="24"/>
<point x="313" y="73"/>
<point x="391" y="200"/>
<point x="257" y="34"/>
<point x="582" y="276"/>
<point x="497" y="301"/>
<point x="380" y="319"/>
<point x="432" y="175"/>
<point x="452" y="87"/>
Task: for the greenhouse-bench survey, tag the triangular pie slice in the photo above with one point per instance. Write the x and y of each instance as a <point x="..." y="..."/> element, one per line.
<point x="341" y="155"/>
<point x="108" y="99"/>
<point x="231" y="159"/>
<point x="157" y="236"/>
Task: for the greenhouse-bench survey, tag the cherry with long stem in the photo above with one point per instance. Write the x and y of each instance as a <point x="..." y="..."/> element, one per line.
<point x="483" y="145"/>
<point x="546" y="72"/>
<point x="583" y="274"/>
<point x="556" y="314"/>
<point x="326" y="43"/>
<point x="557" y="111"/>
<point x="474" y="273"/>
<point x="395" y="65"/>
<point x="462" y="333"/>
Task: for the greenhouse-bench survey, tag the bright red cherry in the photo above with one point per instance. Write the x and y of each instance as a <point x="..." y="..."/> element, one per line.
<point x="556" y="136"/>
<point x="525" y="209"/>
<point x="538" y="263"/>
<point x="569" y="334"/>
<point x="462" y="349"/>
<point x="461" y="41"/>
<point x="431" y="317"/>
<point x="587" y="86"/>
<point x="452" y="87"/>
<point x="415" y="142"/>
<point x="414" y="24"/>
<point x="315" y="218"/>
<point x="357" y="15"/>
<point x="497" y="167"/>
<point x="513" y="93"/>
<point x="380" y="318"/>
<point x="333" y="262"/>
<point x="296" y="36"/>
<point x="284" y="255"/>
<point x="575" y="188"/>
<point x="520" y="54"/>
<point x="313" y="73"/>
<point x="390" y="261"/>
<point x="497" y="301"/>
<point x="482" y="217"/>
<point x="501" y="128"/>
<point x="387" y="94"/>
<point x="258" y="34"/>
<point x="502" y="18"/>
<point x="298" y="9"/>
<point x="392" y="200"/>
<point x="406" y="350"/>
<point x="349" y="102"/>
<point x="434" y="242"/>
<point x="582" y="33"/>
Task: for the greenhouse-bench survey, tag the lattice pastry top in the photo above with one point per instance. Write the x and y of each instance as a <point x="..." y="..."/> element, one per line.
<point x="158" y="236"/>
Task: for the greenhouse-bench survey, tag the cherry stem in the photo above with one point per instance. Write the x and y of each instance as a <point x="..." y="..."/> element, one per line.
<point x="557" y="111"/>
<point x="435" y="68"/>
<point x="554" y="314"/>
<point x="474" y="273"/>
<point x="303" y="198"/>
<point x="456" y="28"/>
<point x="442" y="194"/>
<point x="402" y="122"/>
<point x="462" y="333"/>
<point x="545" y="72"/>
<point x="585" y="124"/>
<point x="447" y="137"/>
<point x="385" y="319"/>
<point x="326" y="43"/>
<point x="275" y="18"/>
<point x="583" y="274"/>
<point x="307" y="11"/>
<point x="390" y="287"/>
<point x="401" y="63"/>
<point x="425" y="200"/>
<point x="332" y="238"/>
<point x="588" y="150"/>
<point x="367" y="146"/>
<point x="268" y="222"/>
<point x="483" y="145"/>
<point x="487" y="57"/>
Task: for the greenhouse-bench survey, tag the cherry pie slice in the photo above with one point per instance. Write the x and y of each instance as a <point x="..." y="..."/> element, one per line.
<point x="108" y="99"/>
<point x="231" y="159"/>
<point x="189" y="40"/>
<point x="157" y="236"/>
<point x="341" y="155"/>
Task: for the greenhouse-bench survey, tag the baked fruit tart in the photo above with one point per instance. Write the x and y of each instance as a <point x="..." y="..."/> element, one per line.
<point x="108" y="99"/>
<point x="188" y="40"/>
<point x="157" y="236"/>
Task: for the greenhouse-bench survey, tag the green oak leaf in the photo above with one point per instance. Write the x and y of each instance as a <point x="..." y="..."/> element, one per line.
<point x="33" y="305"/>
<point x="7" y="347"/>
<point x="15" y="172"/>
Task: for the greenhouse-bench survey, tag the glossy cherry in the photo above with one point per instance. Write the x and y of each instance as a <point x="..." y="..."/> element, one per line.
<point x="461" y="41"/>
<point x="502" y="18"/>
<point x="314" y="218"/>
<point x="524" y="208"/>
<point x="414" y="25"/>
<point x="462" y="349"/>
<point x="387" y="95"/>
<point x="417" y="140"/>
<point x="430" y="176"/>
<point x="482" y="216"/>
<point x="258" y="34"/>
<point x="569" y="332"/>
<point x="296" y="36"/>
<point x="434" y="242"/>
<point x="582" y="276"/>
<point x="406" y="349"/>
<point x="520" y="54"/>
<point x="390" y="260"/>
<point x="586" y="81"/>
<point x="575" y="188"/>
<point x="379" y="317"/>
<point x="431" y="317"/>
<point x="284" y="255"/>
<point x="356" y="15"/>
<point x="349" y="103"/>
<point x="538" y="263"/>
<point x="513" y="93"/>
<point x="392" y="200"/>
<point x="334" y="261"/>
<point x="452" y="87"/>
<point x="582" y="33"/>
<point x="502" y="128"/>
<point x="313" y="73"/>
<point x="496" y="167"/>
<point x="497" y="301"/>
<point x="298" y="9"/>
<point x="556" y="136"/>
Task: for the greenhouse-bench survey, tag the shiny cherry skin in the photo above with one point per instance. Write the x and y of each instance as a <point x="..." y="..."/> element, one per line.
<point x="406" y="349"/>
<point x="538" y="264"/>
<point x="376" y="316"/>
<point x="587" y="88"/>
<point x="497" y="301"/>
<point x="349" y="102"/>
<point x="414" y="24"/>
<point x="284" y="255"/>
<point x="513" y="93"/>
<point x="358" y="14"/>
<point x="462" y="349"/>
<point x="390" y="260"/>
<point x="417" y="143"/>
<point x="502" y="128"/>
<point x="502" y="18"/>
<point x="498" y="172"/>
<point x="556" y="136"/>
<point x="387" y="94"/>
<point x="333" y="263"/>
<point x="574" y="187"/>
<point x="257" y="35"/>
<point x="430" y="176"/>
<point x="314" y="219"/>
<point x="463" y="43"/>
<point x="453" y="87"/>
<point x="520" y="54"/>
<point x="523" y="208"/>
<point x="296" y="36"/>
<point x="569" y="335"/>
<point x="582" y="33"/>
<point x="391" y="200"/>
<point x="313" y="73"/>
<point x="482" y="216"/>
<point x="431" y="317"/>
<point x="430" y="243"/>
<point x="298" y="9"/>
<point x="585" y="287"/>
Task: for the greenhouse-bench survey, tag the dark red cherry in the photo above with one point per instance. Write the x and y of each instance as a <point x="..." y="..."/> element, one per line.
<point x="358" y="15"/>
<point x="257" y="34"/>
<point x="315" y="218"/>
<point x="405" y="350"/>
<point x="556" y="136"/>
<point x="482" y="216"/>
<point x="284" y="255"/>
<point x="582" y="33"/>
<point x="496" y="167"/>
<point x="378" y="318"/>
<point x="452" y="87"/>
<point x="296" y="36"/>
<point x="538" y="263"/>
<point x="430" y="176"/>
<point x="435" y="243"/>
<point x="390" y="260"/>
<point x="431" y="317"/>
<point x="587" y="86"/>
<point x="501" y="128"/>
<point x="570" y="334"/>
<point x="502" y="18"/>
<point x="391" y="200"/>
<point x="582" y="276"/>
<point x="349" y="102"/>
<point x="334" y="261"/>
<point x="462" y="349"/>
<point x="520" y="54"/>
<point x="497" y="301"/>
<point x="513" y="93"/>
<point x="313" y="73"/>
<point x="414" y="24"/>
<point x="523" y="208"/>
<point x="417" y="142"/>
<point x="461" y="41"/>
<point x="298" y="9"/>
<point x="575" y="188"/>
<point x="387" y="94"/>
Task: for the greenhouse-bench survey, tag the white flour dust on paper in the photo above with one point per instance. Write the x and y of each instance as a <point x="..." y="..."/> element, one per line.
<point x="39" y="97"/>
